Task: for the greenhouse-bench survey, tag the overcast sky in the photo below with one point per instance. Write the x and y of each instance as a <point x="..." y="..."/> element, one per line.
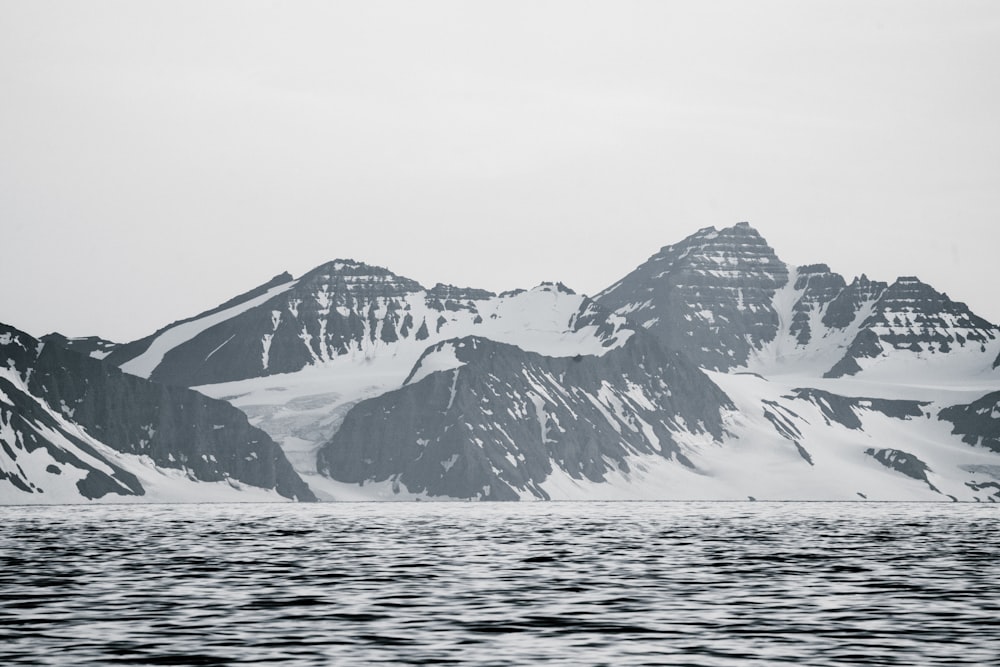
<point x="157" y="158"/>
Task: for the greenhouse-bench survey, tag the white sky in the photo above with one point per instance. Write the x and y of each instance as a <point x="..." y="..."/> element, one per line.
<point x="157" y="158"/>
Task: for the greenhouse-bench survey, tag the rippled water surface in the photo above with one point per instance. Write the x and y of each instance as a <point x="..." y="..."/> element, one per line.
<point x="501" y="584"/>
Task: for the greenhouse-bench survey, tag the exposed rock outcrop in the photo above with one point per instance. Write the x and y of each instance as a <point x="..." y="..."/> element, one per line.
<point x="709" y="296"/>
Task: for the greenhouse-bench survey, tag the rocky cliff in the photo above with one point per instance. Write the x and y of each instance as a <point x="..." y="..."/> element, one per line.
<point x="480" y="419"/>
<point x="709" y="296"/>
<point x="65" y="418"/>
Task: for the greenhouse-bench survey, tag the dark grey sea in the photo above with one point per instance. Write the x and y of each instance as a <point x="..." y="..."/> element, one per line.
<point x="501" y="584"/>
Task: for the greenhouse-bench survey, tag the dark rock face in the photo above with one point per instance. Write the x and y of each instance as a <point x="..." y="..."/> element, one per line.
<point x="175" y="427"/>
<point x="844" y="308"/>
<point x="912" y="316"/>
<point x="123" y="353"/>
<point x="978" y="422"/>
<point x="91" y="346"/>
<point x="819" y="287"/>
<point x="333" y="309"/>
<point x="24" y="425"/>
<point x="844" y="410"/>
<point x="709" y="296"/>
<point x="342" y="308"/>
<point x="903" y="462"/>
<point x="443" y="297"/>
<point x="493" y="427"/>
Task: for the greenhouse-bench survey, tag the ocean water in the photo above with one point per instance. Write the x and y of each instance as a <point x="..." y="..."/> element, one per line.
<point x="501" y="584"/>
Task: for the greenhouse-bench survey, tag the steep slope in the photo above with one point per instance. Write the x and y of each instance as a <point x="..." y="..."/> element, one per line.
<point x="137" y="358"/>
<point x="302" y="410"/>
<point x="709" y="296"/>
<point x="977" y="422"/>
<point x="342" y="308"/>
<point x="819" y="316"/>
<point x="91" y="346"/>
<point x="723" y="298"/>
<point x="480" y="419"/>
<point x="912" y="322"/>
<point x="74" y="428"/>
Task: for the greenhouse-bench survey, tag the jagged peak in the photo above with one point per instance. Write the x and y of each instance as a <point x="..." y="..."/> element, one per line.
<point x="446" y="291"/>
<point x="864" y="281"/>
<point x="812" y="269"/>
<point x="711" y="238"/>
<point x="557" y="287"/>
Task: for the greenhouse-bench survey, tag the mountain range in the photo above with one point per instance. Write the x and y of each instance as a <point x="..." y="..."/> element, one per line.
<point x="712" y="371"/>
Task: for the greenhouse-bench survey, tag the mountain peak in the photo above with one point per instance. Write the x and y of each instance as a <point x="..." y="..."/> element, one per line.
<point x="710" y="295"/>
<point x="445" y="291"/>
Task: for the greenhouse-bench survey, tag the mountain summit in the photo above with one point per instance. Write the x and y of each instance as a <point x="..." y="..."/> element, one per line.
<point x="709" y="296"/>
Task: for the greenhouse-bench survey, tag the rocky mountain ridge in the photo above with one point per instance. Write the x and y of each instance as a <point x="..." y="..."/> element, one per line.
<point x="712" y="371"/>
<point x="73" y="427"/>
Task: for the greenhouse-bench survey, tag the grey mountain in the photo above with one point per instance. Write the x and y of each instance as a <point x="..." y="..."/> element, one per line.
<point x="722" y="297"/>
<point x="820" y="287"/>
<point x="71" y="407"/>
<point x="498" y="424"/>
<point x="709" y="296"/>
<point x="913" y="316"/>
<point x="506" y="393"/>
<point x="339" y="307"/>
<point x="124" y="352"/>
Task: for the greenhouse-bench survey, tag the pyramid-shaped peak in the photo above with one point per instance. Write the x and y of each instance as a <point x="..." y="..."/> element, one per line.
<point x="355" y="272"/>
<point x="348" y="267"/>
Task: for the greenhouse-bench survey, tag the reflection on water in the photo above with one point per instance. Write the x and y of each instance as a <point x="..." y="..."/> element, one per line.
<point x="501" y="584"/>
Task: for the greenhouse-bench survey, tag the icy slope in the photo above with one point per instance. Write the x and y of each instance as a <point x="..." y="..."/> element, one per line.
<point x="303" y="409"/>
<point x="481" y="420"/>
<point x="73" y="428"/>
<point x="847" y="443"/>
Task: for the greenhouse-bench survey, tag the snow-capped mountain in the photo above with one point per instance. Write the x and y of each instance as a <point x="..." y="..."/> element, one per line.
<point x="710" y="296"/>
<point x="725" y="299"/>
<point x="810" y="386"/>
<point x="303" y="408"/>
<point x="351" y="309"/>
<point x="74" y="428"/>
<point x="480" y="419"/>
